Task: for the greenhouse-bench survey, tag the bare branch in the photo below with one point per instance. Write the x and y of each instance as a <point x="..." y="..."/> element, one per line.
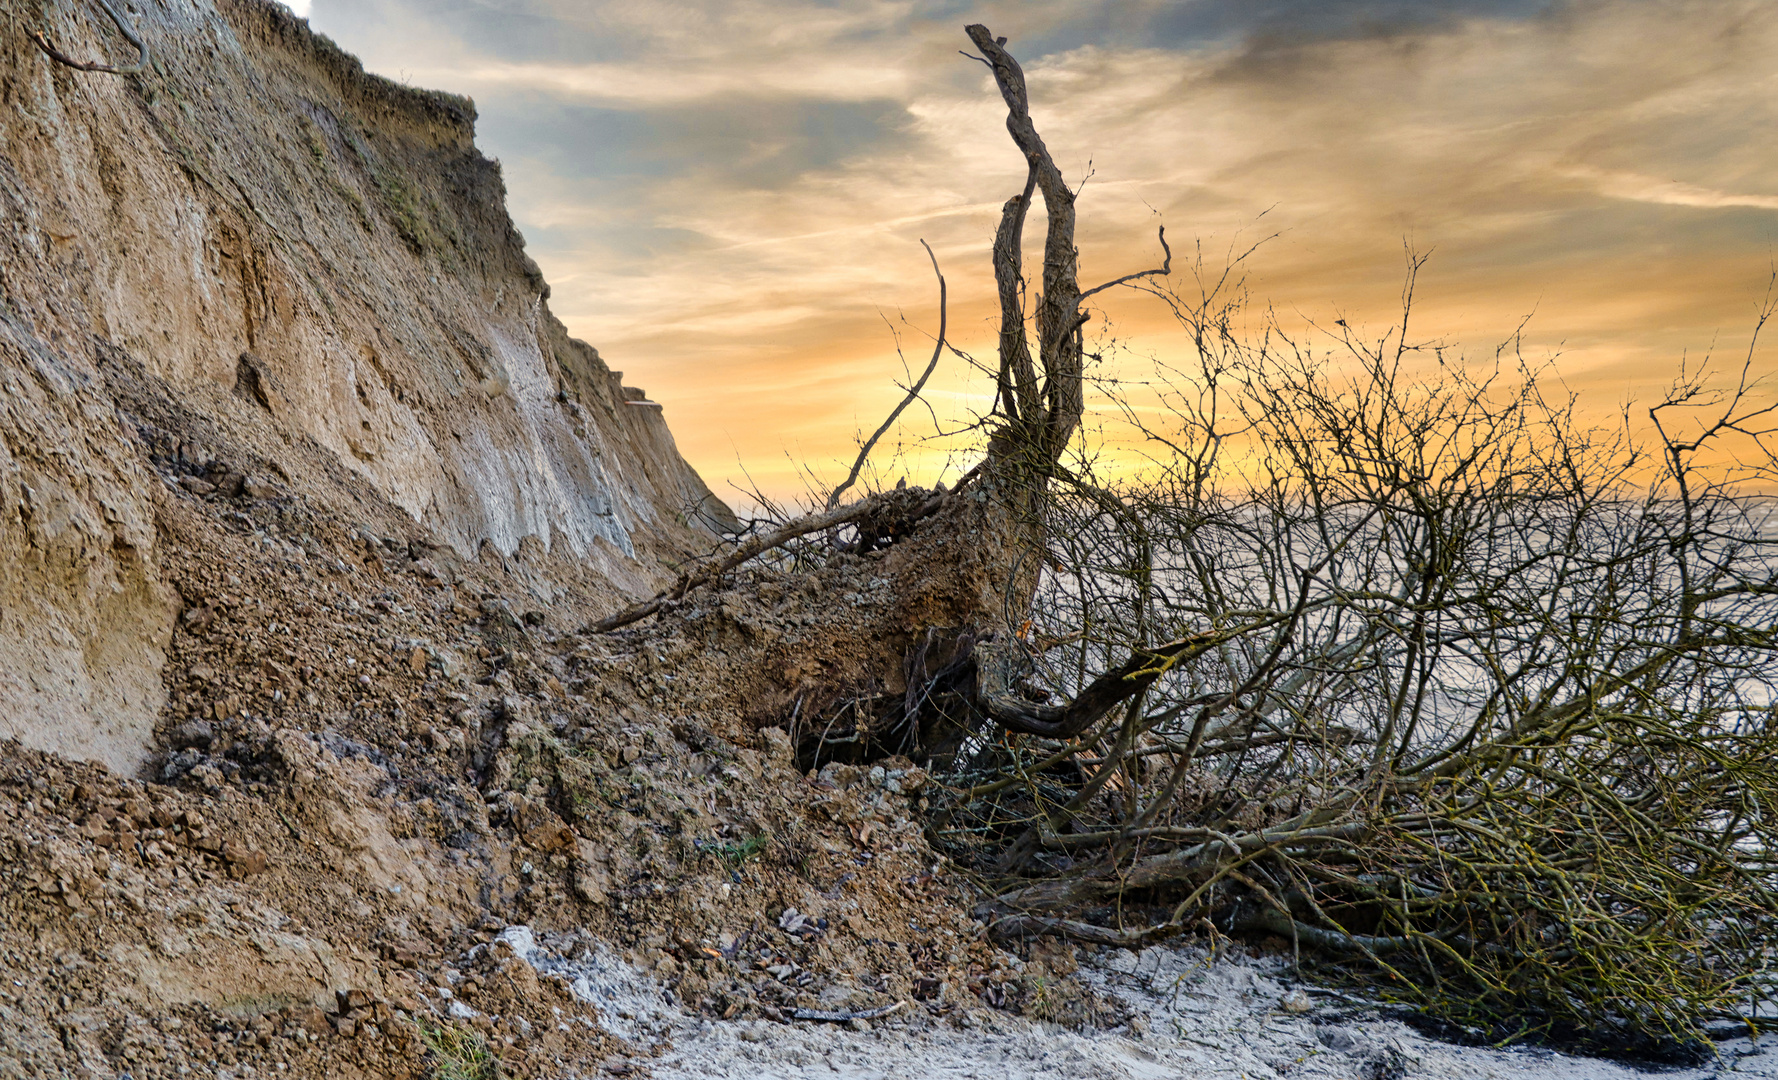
<point x="913" y="394"/>
<point x="1165" y="269"/>
<point x="752" y="549"/>
<point x="123" y="26"/>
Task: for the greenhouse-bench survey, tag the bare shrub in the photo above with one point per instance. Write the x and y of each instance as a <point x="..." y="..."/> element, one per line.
<point x="1415" y="670"/>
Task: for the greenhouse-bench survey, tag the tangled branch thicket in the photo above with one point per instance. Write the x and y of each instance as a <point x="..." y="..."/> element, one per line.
<point x="1425" y="676"/>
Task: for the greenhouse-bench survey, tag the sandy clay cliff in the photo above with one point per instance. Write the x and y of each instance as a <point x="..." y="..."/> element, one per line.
<point x="256" y="261"/>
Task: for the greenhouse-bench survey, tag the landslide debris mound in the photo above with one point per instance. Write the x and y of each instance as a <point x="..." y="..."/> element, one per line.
<point x="304" y="496"/>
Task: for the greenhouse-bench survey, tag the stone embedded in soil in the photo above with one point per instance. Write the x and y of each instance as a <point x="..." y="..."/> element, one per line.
<point x="244" y="861"/>
<point x="192" y="734"/>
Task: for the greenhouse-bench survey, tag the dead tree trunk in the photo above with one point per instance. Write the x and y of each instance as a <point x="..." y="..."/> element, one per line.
<point x="940" y="657"/>
<point x="1042" y="404"/>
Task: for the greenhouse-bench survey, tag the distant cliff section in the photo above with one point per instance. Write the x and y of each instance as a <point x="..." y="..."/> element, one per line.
<point x="255" y="266"/>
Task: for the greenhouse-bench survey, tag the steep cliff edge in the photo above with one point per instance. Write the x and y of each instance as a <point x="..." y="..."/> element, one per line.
<point x="312" y="270"/>
<point x="305" y="499"/>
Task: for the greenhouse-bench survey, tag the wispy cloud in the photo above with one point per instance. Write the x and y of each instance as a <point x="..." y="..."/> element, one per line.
<point x="1649" y="189"/>
<point x="643" y="85"/>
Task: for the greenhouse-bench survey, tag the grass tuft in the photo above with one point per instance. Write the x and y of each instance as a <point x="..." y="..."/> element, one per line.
<point x="459" y="1053"/>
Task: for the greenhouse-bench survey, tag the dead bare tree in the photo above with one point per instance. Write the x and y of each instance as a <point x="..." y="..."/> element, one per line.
<point x="1386" y="655"/>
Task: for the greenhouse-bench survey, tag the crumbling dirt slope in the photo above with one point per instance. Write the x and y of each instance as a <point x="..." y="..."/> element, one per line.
<point x="375" y="756"/>
<point x="318" y="266"/>
<point x="304" y="501"/>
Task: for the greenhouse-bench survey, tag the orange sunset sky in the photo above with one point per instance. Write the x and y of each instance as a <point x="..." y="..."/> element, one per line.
<point x="728" y="197"/>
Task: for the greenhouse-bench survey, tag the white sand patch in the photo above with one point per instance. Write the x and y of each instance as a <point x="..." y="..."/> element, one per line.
<point x="1195" y="1016"/>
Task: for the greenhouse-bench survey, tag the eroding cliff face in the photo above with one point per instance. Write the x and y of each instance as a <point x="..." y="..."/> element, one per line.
<point x="317" y="265"/>
<point x="84" y="617"/>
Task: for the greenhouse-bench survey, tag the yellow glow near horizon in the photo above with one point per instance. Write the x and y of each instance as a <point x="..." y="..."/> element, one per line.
<point x="728" y="199"/>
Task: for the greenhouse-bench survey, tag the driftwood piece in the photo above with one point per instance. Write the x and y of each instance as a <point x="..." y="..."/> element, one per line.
<point x="1024" y="926"/>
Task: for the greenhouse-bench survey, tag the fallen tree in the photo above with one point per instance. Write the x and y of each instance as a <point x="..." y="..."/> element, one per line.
<point x="1382" y="653"/>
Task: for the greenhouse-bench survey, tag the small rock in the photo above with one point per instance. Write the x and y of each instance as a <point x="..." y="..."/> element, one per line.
<point x="592" y="882"/>
<point x="858" y="1025"/>
<point x="416" y="661"/>
<point x="199" y="619"/>
<point x="245" y="861"/>
<point x="353" y="999"/>
<point x="1343" y="1041"/>
<point x="1296" y="1002"/>
<point x="258" y="487"/>
<point x="551" y="836"/>
<point x="309" y="1018"/>
<point x="348" y="1027"/>
<point x="193" y="734"/>
<point x="1387" y="1063"/>
<point x="196" y="486"/>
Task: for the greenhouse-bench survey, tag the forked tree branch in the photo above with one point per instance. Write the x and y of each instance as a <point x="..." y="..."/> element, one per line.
<point x="1018" y="378"/>
<point x="1058" y="324"/>
<point x="123" y="26"/>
